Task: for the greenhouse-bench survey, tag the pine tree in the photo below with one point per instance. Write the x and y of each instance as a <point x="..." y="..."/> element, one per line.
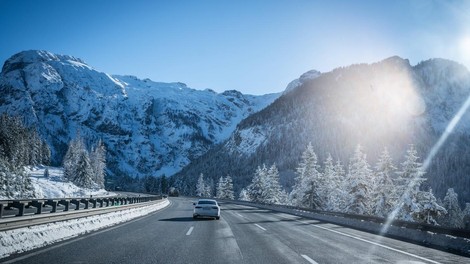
<point x="342" y="194"/>
<point x="429" y="209"/>
<point x="454" y="216"/>
<point x="77" y="165"/>
<point x="243" y="196"/>
<point x="207" y="190"/>
<point x="98" y="163"/>
<point x="408" y="185"/>
<point x="466" y="216"/>
<point x="4" y="179"/>
<point x="220" y="189"/>
<point x="332" y="192"/>
<point x="84" y="171"/>
<point x="257" y="188"/>
<point x="228" y="188"/>
<point x="384" y="189"/>
<point x="273" y="193"/>
<point x="305" y="192"/>
<point x="200" y="186"/>
<point x="359" y="184"/>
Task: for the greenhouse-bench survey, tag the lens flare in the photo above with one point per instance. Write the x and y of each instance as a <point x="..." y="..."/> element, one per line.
<point x="450" y="127"/>
<point x="464" y="47"/>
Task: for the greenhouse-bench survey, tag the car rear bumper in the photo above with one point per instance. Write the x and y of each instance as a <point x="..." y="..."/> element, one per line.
<point x="206" y="213"/>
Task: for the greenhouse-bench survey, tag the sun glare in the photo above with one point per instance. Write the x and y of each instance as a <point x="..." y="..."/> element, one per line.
<point x="464" y="48"/>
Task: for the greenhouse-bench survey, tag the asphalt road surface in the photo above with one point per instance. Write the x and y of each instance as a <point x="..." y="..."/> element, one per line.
<point x="242" y="235"/>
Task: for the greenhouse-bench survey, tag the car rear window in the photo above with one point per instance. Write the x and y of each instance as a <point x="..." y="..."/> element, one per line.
<point x="206" y="202"/>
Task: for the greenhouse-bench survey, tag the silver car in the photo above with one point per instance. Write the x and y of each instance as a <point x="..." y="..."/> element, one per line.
<point x="207" y="208"/>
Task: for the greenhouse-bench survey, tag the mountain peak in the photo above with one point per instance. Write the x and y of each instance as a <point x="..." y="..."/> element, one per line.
<point x="397" y="60"/>
<point x="310" y="75"/>
<point x="23" y="58"/>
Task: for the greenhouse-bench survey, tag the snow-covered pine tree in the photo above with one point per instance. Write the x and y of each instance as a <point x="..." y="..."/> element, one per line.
<point x="454" y="216"/>
<point x="359" y="184"/>
<point x="200" y="186"/>
<point x="77" y="165"/>
<point x="466" y="216"/>
<point x="35" y="148"/>
<point x="408" y="185"/>
<point x="84" y="176"/>
<point x="208" y="190"/>
<point x="257" y="188"/>
<point x="98" y="163"/>
<point x="243" y="196"/>
<point x="305" y="192"/>
<point x="429" y="209"/>
<point x="332" y="191"/>
<point x="45" y="153"/>
<point x="274" y="193"/>
<point x="383" y="192"/>
<point x="228" y="188"/>
<point x="220" y="189"/>
<point x="343" y="196"/>
<point x="4" y="179"/>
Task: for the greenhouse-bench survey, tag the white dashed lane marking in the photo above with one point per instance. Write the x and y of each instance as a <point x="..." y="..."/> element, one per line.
<point x="262" y="228"/>
<point x="189" y="231"/>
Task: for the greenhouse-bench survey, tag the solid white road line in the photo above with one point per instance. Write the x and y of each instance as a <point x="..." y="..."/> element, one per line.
<point x="262" y="228"/>
<point x="309" y="259"/>
<point x="189" y="231"/>
<point x="364" y="240"/>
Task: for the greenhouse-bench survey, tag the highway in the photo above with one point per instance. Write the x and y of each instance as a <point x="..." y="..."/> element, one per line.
<point x="243" y="235"/>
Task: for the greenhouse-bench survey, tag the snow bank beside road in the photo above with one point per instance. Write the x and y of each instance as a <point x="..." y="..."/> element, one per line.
<point x="28" y="238"/>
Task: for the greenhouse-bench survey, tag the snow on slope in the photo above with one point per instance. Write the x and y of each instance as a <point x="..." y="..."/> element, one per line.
<point x="149" y="128"/>
<point x="57" y="187"/>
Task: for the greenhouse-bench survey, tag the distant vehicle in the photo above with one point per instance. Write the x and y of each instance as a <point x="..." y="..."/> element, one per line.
<point x="206" y="208"/>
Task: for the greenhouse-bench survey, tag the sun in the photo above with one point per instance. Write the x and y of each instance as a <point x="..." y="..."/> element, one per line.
<point x="464" y="47"/>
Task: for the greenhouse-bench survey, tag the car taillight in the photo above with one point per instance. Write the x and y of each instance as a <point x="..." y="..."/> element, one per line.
<point x="214" y="207"/>
<point x="198" y="207"/>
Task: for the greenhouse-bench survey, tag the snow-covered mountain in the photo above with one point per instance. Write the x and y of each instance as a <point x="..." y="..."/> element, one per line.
<point x="386" y="104"/>
<point x="149" y="128"/>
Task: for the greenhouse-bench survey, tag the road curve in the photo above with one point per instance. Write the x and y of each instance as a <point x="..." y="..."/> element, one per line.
<point x="243" y="235"/>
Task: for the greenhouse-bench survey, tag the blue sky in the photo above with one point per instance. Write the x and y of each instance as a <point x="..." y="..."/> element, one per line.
<point x="252" y="46"/>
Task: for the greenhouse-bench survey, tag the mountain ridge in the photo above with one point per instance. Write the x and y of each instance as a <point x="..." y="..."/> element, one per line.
<point x="389" y="103"/>
<point x="149" y="128"/>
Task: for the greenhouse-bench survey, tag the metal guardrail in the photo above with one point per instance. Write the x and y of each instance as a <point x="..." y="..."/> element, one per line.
<point x="465" y="233"/>
<point x="36" y="206"/>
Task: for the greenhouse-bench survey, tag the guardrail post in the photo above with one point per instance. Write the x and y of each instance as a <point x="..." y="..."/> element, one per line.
<point x="20" y="205"/>
<point x="93" y="202"/>
<point x="66" y="203"/>
<point x="2" y="205"/>
<point x="100" y="201"/>
<point x="76" y="203"/>
<point x="53" y="204"/>
<point x="38" y="204"/>
<point x="86" y="202"/>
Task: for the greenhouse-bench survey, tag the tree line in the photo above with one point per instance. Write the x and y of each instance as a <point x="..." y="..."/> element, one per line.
<point x="19" y="147"/>
<point x="384" y="190"/>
